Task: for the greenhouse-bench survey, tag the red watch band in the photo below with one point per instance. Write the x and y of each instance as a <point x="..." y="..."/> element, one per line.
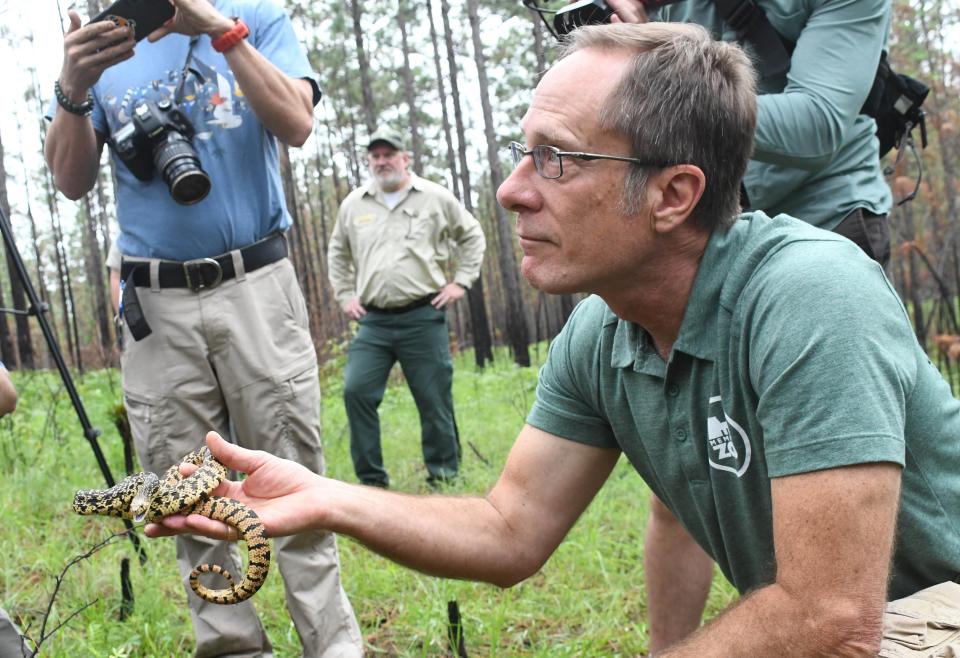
<point x="231" y="37"/>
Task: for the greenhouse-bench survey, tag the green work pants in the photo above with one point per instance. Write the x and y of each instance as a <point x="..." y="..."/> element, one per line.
<point x="418" y="339"/>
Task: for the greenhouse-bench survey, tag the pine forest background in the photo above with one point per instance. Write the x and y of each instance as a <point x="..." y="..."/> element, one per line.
<point x="456" y="76"/>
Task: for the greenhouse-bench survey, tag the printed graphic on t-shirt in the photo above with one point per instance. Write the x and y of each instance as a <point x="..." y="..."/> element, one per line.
<point x="728" y="443"/>
<point x="211" y="99"/>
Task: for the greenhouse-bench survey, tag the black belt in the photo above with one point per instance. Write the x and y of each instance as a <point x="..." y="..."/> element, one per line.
<point x="202" y="273"/>
<point x="417" y="303"/>
<point x="198" y="274"/>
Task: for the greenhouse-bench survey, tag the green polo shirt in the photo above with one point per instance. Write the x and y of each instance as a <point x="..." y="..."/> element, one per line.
<point x="390" y="257"/>
<point x="794" y="355"/>
<point x="816" y="156"/>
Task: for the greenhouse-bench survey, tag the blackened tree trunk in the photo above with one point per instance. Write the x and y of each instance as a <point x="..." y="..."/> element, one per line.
<point x="93" y="266"/>
<point x="366" y="88"/>
<point x="24" y="343"/>
<point x="480" y="324"/>
<point x="409" y="90"/>
<point x="442" y="94"/>
<point x="517" y="334"/>
<point x="295" y="235"/>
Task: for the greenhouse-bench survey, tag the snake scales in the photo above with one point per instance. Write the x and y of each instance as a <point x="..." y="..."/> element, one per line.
<point x="145" y="497"/>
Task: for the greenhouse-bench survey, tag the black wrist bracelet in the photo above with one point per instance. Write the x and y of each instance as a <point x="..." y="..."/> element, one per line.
<point x="83" y="109"/>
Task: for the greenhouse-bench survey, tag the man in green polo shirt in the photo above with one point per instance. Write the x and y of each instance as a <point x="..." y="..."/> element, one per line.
<point x="815" y="158"/>
<point x="393" y="239"/>
<point x="760" y="374"/>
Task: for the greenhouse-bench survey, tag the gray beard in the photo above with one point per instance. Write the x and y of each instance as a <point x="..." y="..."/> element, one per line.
<point x="390" y="182"/>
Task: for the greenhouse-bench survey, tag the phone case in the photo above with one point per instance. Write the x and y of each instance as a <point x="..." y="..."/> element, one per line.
<point x="144" y="16"/>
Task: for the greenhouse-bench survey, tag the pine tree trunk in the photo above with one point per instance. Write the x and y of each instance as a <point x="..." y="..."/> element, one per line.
<point x="409" y="92"/>
<point x="480" y="324"/>
<point x="445" y="117"/>
<point x="93" y="265"/>
<point x="366" y="88"/>
<point x="24" y="343"/>
<point x="516" y="325"/>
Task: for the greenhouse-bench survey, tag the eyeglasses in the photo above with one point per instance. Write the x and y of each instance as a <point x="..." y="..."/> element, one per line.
<point x="549" y="159"/>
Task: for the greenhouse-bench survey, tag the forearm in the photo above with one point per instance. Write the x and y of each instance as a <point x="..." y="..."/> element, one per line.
<point x="831" y="71"/>
<point x="678" y="574"/>
<point x="282" y="104"/>
<point x="772" y="622"/>
<point x="444" y="536"/>
<point x="72" y="152"/>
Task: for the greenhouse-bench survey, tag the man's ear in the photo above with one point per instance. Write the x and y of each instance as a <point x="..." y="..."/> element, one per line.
<point x="676" y="192"/>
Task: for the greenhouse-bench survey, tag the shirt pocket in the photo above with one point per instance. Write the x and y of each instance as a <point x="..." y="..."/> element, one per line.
<point x="420" y="226"/>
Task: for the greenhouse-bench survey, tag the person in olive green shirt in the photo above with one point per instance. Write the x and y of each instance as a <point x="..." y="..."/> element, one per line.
<point x="816" y="157"/>
<point x="760" y="374"/>
<point x="387" y="254"/>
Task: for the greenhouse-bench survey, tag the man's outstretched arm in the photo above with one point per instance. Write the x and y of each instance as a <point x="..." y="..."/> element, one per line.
<point x="833" y="534"/>
<point x="501" y="538"/>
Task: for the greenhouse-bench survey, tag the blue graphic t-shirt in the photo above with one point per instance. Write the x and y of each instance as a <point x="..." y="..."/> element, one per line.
<point x="246" y="200"/>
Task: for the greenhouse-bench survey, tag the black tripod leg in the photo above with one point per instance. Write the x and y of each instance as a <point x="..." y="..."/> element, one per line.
<point x="38" y="309"/>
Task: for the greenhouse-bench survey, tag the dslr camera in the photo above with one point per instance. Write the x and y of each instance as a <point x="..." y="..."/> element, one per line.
<point x="159" y="139"/>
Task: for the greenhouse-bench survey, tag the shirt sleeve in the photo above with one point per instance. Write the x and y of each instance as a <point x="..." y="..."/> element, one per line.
<point x="341" y="271"/>
<point x="273" y="36"/>
<point x="567" y="404"/>
<point x="831" y="72"/>
<point x="830" y="394"/>
<point x="471" y="243"/>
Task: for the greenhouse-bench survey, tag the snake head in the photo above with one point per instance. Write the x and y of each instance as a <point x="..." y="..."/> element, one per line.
<point x="143" y="497"/>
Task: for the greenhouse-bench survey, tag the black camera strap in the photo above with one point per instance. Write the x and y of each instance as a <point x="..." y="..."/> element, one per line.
<point x="130" y="309"/>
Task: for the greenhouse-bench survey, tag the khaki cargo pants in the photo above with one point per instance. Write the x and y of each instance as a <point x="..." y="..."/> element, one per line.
<point x="923" y="625"/>
<point x="239" y="359"/>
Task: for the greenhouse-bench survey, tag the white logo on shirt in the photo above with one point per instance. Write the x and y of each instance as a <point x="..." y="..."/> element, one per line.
<point x="729" y="451"/>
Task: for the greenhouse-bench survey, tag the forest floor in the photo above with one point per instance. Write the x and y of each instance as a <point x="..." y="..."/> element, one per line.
<point x="588" y="600"/>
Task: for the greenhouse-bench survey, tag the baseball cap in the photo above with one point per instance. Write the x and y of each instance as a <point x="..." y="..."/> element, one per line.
<point x="389" y="137"/>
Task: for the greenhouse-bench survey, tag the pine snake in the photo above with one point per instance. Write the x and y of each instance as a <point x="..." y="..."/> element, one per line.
<point x="144" y="497"/>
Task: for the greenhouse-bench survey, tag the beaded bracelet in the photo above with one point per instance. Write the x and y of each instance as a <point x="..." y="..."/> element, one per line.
<point x="83" y="109"/>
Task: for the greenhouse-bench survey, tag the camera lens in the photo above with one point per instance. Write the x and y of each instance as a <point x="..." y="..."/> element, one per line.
<point x="179" y="165"/>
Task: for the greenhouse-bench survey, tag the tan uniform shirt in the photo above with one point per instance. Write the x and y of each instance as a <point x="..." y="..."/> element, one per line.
<point x="389" y="258"/>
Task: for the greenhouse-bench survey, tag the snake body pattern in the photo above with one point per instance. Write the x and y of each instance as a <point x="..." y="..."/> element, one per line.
<point x="145" y="497"/>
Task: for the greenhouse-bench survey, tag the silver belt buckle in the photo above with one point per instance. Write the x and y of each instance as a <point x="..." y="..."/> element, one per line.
<point x="198" y="265"/>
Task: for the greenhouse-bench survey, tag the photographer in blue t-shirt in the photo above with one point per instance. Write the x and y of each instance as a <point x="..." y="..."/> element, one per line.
<point x="215" y="326"/>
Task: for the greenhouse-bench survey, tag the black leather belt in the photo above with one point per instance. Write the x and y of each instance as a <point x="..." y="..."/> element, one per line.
<point x="202" y="273"/>
<point x="417" y="303"/>
<point x="198" y="274"/>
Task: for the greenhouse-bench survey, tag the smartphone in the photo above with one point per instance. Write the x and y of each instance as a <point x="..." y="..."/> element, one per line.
<point x="144" y="16"/>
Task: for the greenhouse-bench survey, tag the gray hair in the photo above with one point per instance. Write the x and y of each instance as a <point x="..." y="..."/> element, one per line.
<point x="684" y="99"/>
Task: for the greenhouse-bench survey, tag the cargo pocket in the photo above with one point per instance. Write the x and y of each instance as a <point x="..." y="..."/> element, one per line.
<point x="923" y="625"/>
<point x="145" y="415"/>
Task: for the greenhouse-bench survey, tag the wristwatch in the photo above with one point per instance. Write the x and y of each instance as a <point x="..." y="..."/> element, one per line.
<point x="231" y="37"/>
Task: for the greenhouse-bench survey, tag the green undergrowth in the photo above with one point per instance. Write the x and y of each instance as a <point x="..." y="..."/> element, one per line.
<point x="587" y="601"/>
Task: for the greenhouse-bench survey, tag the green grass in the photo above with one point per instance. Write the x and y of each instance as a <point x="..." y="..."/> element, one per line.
<point x="587" y="601"/>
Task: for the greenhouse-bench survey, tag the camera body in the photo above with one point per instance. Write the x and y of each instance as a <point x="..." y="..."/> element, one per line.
<point x="159" y="139"/>
<point x="580" y="13"/>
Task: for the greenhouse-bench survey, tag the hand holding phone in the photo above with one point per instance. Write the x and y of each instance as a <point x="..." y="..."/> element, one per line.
<point x="88" y="51"/>
<point x="141" y="16"/>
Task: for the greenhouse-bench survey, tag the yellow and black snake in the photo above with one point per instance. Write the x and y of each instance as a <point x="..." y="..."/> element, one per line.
<point x="144" y="497"/>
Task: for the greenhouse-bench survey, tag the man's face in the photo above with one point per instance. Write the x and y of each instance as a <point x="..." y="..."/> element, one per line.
<point x="573" y="231"/>
<point x="388" y="166"/>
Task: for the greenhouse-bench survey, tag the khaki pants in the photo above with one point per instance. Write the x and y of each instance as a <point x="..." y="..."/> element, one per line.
<point x="923" y="625"/>
<point x="239" y="359"/>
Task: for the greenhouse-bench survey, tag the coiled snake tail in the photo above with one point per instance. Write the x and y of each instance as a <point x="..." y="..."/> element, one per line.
<point x="248" y="526"/>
